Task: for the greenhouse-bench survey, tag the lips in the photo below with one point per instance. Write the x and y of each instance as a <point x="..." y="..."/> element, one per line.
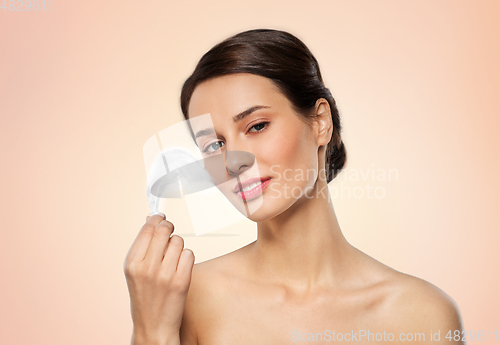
<point x="240" y="186"/>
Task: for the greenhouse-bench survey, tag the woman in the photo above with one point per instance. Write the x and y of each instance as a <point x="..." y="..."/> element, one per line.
<point x="300" y="280"/>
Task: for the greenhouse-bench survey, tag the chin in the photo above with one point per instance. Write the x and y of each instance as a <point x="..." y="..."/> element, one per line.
<point x="271" y="209"/>
<point x="261" y="216"/>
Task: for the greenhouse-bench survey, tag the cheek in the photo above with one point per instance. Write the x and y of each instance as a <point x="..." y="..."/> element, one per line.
<point x="288" y="148"/>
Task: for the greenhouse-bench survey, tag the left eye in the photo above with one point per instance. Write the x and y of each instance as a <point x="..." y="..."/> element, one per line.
<point x="260" y="125"/>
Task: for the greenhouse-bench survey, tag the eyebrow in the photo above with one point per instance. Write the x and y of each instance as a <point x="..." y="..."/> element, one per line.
<point x="247" y="112"/>
<point x="236" y="118"/>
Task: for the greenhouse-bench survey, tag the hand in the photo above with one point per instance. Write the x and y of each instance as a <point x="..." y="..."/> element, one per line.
<point x="158" y="272"/>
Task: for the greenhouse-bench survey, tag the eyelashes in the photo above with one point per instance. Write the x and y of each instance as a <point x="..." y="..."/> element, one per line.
<point x="262" y="125"/>
<point x="265" y="124"/>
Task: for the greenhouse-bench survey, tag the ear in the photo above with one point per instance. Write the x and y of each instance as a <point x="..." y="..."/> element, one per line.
<point x="323" y="121"/>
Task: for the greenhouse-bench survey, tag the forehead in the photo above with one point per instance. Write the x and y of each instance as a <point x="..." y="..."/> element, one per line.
<point x="231" y="94"/>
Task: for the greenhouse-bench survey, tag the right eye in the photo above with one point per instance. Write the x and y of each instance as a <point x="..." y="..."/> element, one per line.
<point x="214" y="145"/>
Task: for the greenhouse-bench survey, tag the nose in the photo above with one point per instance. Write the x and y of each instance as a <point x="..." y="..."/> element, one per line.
<point x="229" y="164"/>
<point x="238" y="162"/>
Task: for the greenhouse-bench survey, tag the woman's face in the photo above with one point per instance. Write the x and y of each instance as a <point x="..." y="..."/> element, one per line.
<point x="284" y="148"/>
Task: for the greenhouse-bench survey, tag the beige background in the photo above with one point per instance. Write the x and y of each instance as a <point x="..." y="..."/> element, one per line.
<point x="82" y="87"/>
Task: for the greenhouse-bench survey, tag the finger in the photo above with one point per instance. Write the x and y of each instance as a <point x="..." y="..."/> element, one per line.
<point x="185" y="266"/>
<point x="173" y="253"/>
<point x="139" y="248"/>
<point x="157" y="213"/>
<point x="166" y="247"/>
<point x="158" y="242"/>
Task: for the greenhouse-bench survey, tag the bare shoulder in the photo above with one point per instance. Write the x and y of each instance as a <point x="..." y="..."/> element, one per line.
<point x="207" y="291"/>
<point x="415" y="305"/>
<point x="210" y="276"/>
<point x="411" y="304"/>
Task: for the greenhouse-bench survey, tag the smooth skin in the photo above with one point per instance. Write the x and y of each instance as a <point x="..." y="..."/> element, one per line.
<point x="301" y="276"/>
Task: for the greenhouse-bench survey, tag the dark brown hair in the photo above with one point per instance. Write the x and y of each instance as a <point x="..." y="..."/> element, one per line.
<point x="286" y="60"/>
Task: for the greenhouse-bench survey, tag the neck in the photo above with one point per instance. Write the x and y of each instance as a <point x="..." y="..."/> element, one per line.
<point x="303" y="247"/>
